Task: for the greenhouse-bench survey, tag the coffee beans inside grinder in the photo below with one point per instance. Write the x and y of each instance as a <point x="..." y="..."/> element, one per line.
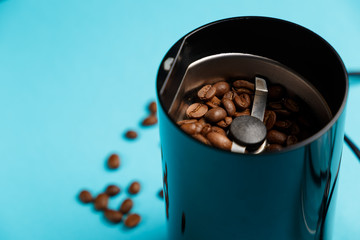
<point x="246" y="111"/>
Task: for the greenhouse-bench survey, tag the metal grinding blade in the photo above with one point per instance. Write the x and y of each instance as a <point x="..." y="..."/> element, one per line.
<point x="249" y="131"/>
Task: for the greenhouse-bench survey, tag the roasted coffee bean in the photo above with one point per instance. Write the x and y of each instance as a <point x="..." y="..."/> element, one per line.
<point x="196" y="110"/>
<point x="132" y="220"/>
<point x="276" y="92"/>
<point x="126" y="206"/>
<point x="187" y="121"/>
<point x="113" y="216"/>
<point x="206" y="92"/>
<point x="206" y="129"/>
<point x="201" y="138"/>
<point x="274" y="136"/>
<point x="294" y="129"/>
<point x="112" y="190"/>
<point x="269" y="119"/>
<point x="113" y="161"/>
<point x="189" y="128"/>
<point x="229" y="95"/>
<point x="275" y="105"/>
<point x="225" y="123"/>
<point x="150" y="120"/>
<point x="202" y="121"/>
<point x="215" y="114"/>
<point x="131" y="134"/>
<point x="291" y="105"/>
<point x="220" y="141"/>
<point x="274" y="147"/>
<point x="283" y="124"/>
<point x="282" y="113"/>
<point x="218" y="130"/>
<point x="153" y="107"/>
<point x="229" y="106"/>
<point x="244" y="84"/>
<point x="213" y="102"/>
<point x="101" y="201"/>
<point x="291" y="139"/>
<point x="161" y="193"/>
<point x="242" y="101"/>
<point x="198" y="127"/>
<point x="221" y="88"/>
<point x="134" y="187"/>
<point x="85" y="196"/>
<point x="243" y="113"/>
<point x="243" y="90"/>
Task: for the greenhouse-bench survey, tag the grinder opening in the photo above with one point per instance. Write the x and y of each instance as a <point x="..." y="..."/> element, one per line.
<point x="225" y="66"/>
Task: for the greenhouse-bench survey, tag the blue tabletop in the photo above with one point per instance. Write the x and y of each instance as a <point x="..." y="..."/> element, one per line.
<point x="75" y="75"/>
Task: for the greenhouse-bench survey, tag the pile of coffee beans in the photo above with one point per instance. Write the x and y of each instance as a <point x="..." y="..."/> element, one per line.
<point x="214" y="107"/>
<point x="115" y="216"/>
<point x="102" y="199"/>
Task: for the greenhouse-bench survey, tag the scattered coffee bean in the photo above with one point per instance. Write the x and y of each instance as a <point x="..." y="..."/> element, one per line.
<point x="274" y="147"/>
<point x="275" y="105"/>
<point x="269" y="119"/>
<point x="150" y="120"/>
<point x="274" y="136"/>
<point x="229" y="95"/>
<point x="215" y="114"/>
<point x="213" y="102"/>
<point x="198" y="127"/>
<point x="134" y="187"/>
<point x="196" y="110"/>
<point x="291" y="140"/>
<point x="101" y="201"/>
<point x="153" y="107"/>
<point x="276" y="92"/>
<point x="201" y="138"/>
<point x="202" y="121"/>
<point x="112" y="190"/>
<point x="242" y="101"/>
<point x="206" y="129"/>
<point x="283" y="124"/>
<point x="131" y="134"/>
<point x="113" y="216"/>
<point x="243" y="90"/>
<point x="132" y="220"/>
<point x="189" y="128"/>
<point x="225" y="123"/>
<point x="161" y="193"/>
<point x="246" y="112"/>
<point x="206" y="92"/>
<point x="85" y="196"/>
<point x="126" y="206"/>
<point x="113" y="161"/>
<point x="221" y="88"/>
<point x="229" y="106"/>
<point x="244" y="84"/>
<point x="291" y="105"/>
<point x="218" y="130"/>
<point x="220" y="141"/>
<point x="187" y="121"/>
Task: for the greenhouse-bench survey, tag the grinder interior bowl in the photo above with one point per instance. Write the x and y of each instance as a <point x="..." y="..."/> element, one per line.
<point x="211" y="69"/>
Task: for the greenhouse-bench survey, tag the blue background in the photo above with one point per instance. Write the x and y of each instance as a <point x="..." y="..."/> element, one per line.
<point x="76" y="74"/>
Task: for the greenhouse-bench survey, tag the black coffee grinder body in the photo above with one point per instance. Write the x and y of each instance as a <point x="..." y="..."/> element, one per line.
<point x="290" y="194"/>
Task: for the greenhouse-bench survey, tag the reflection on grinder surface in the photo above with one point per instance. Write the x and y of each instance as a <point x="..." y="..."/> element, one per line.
<point x="319" y="182"/>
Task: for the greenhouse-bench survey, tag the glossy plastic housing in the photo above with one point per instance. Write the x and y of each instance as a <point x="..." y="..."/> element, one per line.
<point x="215" y="194"/>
